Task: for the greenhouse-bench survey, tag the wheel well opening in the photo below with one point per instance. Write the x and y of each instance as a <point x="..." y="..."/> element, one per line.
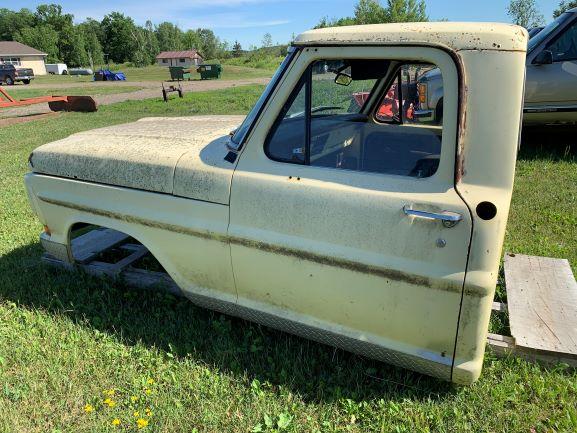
<point x="110" y="249"/>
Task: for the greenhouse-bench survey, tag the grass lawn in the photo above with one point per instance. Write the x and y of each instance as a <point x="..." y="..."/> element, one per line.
<point x="66" y="339"/>
<point x="159" y="73"/>
<point x="21" y="92"/>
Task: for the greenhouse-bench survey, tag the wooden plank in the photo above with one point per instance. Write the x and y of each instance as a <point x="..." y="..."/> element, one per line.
<point x="88" y="246"/>
<point x="143" y="279"/>
<point x="542" y="303"/>
<point x="136" y="254"/>
<point x="501" y="344"/>
<point x="499" y="307"/>
<point x="504" y="346"/>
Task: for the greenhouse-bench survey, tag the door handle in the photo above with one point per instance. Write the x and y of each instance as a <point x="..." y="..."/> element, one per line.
<point x="449" y="219"/>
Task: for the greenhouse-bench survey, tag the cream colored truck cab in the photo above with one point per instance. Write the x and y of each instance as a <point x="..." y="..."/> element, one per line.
<point x="342" y="221"/>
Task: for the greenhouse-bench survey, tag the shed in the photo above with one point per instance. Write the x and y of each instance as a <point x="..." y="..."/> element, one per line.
<point x="23" y="56"/>
<point x="185" y="58"/>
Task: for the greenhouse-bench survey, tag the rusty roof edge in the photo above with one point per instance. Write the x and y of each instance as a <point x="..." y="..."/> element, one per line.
<point x="455" y="36"/>
<point x="400" y="43"/>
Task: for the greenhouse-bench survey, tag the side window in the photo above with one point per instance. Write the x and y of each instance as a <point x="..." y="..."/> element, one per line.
<point x="375" y="116"/>
<point x="330" y="98"/>
<point x="287" y="141"/>
<point x="564" y="48"/>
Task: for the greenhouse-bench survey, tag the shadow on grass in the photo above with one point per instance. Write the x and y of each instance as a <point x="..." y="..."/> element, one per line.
<point x="314" y="371"/>
<point x="551" y="143"/>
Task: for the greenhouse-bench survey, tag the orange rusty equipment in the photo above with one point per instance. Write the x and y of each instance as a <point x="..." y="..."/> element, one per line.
<point x="56" y="103"/>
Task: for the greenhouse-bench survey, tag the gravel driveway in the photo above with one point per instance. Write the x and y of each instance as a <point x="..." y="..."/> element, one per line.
<point x="151" y="90"/>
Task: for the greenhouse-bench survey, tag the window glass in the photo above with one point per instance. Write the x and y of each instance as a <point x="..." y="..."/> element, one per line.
<point x="240" y="134"/>
<point x="565" y="46"/>
<point x="328" y="97"/>
<point x="287" y="143"/>
<point x="372" y="120"/>
<point x="548" y="30"/>
<point x="10" y="61"/>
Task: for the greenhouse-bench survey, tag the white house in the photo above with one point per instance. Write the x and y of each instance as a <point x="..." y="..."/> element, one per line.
<point x="186" y="58"/>
<point x="23" y="56"/>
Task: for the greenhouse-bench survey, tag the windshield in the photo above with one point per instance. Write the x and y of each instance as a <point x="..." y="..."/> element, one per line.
<point x="239" y="135"/>
<point x="543" y="34"/>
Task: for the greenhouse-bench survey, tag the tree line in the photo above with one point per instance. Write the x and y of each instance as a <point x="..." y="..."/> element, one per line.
<point x="115" y="38"/>
<point x="526" y="13"/>
<point x="373" y="12"/>
<point x="522" y="12"/>
<point x="119" y="39"/>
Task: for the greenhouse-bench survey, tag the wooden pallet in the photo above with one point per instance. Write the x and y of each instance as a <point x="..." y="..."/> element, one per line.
<point x="542" y="310"/>
<point x="88" y="247"/>
<point x="541" y="293"/>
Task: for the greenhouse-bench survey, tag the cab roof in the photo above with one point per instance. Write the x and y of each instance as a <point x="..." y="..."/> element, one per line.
<point x="454" y="35"/>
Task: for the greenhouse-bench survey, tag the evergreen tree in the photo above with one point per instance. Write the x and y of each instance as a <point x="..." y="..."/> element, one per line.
<point x="236" y="49"/>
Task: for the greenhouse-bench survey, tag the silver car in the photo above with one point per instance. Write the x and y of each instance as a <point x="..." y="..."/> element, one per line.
<point x="551" y="81"/>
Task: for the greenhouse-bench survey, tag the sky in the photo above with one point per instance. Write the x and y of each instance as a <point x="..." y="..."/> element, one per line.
<point x="248" y="20"/>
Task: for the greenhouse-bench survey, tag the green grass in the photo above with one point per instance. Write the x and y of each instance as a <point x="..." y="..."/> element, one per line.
<point x="159" y="73"/>
<point x="270" y="63"/>
<point x="65" y="338"/>
<point x="21" y="92"/>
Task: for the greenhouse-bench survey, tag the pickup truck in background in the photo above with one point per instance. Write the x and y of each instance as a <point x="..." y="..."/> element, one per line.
<point x="329" y="212"/>
<point x="551" y="80"/>
<point x="9" y="74"/>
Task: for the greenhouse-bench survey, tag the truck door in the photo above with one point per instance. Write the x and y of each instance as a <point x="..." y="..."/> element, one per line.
<point x="345" y="224"/>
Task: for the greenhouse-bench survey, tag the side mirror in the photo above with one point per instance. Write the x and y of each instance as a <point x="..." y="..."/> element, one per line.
<point x="343" y="79"/>
<point x="545" y="57"/>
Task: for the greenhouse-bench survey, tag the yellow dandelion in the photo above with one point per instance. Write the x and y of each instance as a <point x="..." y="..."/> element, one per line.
<point x="141" y="422"/>
<point x="110" y="392"/>
<point x="133" y="399"/>
<point x="148" y="412"/>
<point x="150" y="381"/>
<point x="148" y="391"/>
<point x="115" y="422"/>
<point x="88" y="408"/>
<point x="136" y="414"/>
<point x="109" y="402"/>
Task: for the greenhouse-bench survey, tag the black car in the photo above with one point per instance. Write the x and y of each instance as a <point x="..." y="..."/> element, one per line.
<point x="9" y="74"/>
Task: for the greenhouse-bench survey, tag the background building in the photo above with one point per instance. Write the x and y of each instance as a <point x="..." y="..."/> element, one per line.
<point x="23" y="56"/>
<point x="186" y="58"/>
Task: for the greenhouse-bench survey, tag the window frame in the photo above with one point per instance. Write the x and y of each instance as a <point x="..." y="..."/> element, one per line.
<point x="558" y="36"/>
<point x="374" y="109"/>
<point x="303" y="81"/>
<point x="306" y="75"/>
<point x="306" y="81"/>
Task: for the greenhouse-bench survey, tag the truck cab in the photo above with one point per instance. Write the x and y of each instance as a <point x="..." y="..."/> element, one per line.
<point x="331" y="212"/>
<point x="551" y="85"/>
<point x="551" y="82"/>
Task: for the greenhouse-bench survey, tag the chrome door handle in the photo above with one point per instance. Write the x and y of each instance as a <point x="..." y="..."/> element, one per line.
<point x="449" y="219"/>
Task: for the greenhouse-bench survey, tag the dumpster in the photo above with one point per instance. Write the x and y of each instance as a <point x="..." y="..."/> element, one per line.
<point x="179" y="73"/>
<point x="209" y="71"/>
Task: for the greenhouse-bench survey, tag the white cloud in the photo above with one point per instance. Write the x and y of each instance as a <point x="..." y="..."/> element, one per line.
<point x="184" y="13"/>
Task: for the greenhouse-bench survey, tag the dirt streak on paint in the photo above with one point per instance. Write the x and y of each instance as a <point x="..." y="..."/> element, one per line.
<point x="391" y="274"/>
